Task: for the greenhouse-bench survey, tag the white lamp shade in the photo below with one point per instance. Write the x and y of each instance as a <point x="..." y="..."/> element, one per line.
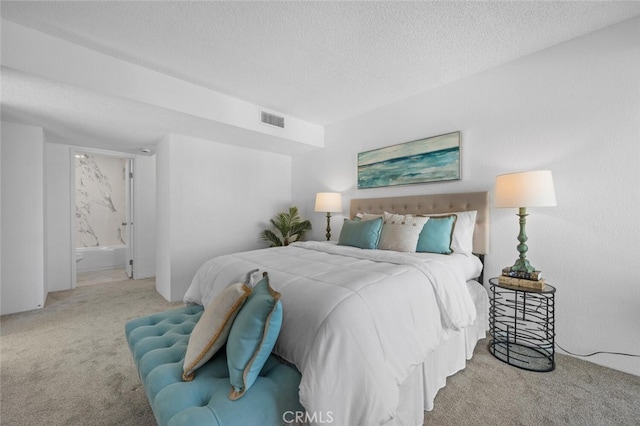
<point x="525" y="189"/>
<point x="330" y="202"/>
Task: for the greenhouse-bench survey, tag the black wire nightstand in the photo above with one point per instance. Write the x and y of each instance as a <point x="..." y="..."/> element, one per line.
<point x="522" y="326"/>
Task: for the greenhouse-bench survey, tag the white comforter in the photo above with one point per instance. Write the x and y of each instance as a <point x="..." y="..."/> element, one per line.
<point x="355" y="321"/>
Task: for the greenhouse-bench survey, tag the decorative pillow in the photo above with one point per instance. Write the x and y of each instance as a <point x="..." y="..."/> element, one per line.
<point x="462" y="241"/>
<point x="366" y="216"/>
<point x="400" y="232"/>
<point x="253" y="336"/>
<point x="437" y="234"/>
<point x="394" y="218"/>
<point x="362" y="234"/>
<point x="212" y="329"/>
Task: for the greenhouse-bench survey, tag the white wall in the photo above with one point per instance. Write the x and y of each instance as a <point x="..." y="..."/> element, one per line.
<point x="22" y="239"/>
<point x="144" y="219"/>
<point x="163" y="217"/>
<point x="574" y="109"/>
<point x="213" y="199"/>
<point x="58" y="231"/>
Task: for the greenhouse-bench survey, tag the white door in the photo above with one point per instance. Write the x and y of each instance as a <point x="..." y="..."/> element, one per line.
<point x="128" y="225"/>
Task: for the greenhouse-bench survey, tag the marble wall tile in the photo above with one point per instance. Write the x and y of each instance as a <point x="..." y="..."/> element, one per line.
<point x="100" y="200"/>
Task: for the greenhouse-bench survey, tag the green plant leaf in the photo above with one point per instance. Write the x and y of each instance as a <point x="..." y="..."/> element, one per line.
<point x="290" y="226"/>
<point x="271" y="237"/>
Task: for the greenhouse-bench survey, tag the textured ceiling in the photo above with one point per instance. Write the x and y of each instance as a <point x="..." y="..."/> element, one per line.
<point x="318" y="61"/>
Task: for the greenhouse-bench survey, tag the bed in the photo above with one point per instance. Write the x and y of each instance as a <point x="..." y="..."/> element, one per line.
<point x="375" y="333"/>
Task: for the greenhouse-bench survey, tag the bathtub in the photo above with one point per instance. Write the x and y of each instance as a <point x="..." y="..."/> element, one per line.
<point x="102" y="257"/>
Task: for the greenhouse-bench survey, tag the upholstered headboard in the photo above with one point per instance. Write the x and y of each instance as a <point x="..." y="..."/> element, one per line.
<point x="434" y="204"/>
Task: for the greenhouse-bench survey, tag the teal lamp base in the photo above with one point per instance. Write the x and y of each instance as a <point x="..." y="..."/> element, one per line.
<point x="522" y="264"/>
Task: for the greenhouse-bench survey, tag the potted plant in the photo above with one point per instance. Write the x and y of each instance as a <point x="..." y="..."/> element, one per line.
<point x="289" y="225"/>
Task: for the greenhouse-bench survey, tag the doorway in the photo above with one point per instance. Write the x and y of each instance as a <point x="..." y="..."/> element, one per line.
<point x="102" y="226"/>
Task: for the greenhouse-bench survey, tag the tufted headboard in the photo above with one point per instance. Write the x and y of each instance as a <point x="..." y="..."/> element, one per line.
<point x="434" y="204"/>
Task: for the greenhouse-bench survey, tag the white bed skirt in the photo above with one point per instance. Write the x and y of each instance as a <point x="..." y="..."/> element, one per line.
<point x="418" y="392"/>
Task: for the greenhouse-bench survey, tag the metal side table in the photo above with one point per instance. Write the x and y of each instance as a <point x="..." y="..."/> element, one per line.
<point x="521" y="325"/>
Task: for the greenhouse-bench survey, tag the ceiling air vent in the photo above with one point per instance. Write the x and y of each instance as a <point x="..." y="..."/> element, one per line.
<point x="272" y="120"/>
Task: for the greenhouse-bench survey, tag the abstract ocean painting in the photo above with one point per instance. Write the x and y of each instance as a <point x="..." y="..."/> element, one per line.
<point x="433" y="159"/>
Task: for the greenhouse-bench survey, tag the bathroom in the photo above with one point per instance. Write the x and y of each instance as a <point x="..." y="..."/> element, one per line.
<point x="102" y="218"/>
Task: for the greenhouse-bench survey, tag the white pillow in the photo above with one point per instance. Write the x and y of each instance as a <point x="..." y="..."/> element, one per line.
<point x="368" y="216"/>
<point x="401" y="232"/>
<point x="212" y="330"/>
<point x="462" y="241"/>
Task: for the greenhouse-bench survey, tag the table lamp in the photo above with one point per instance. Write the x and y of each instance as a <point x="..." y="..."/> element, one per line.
<point x="329" y="202"/>
<point x="522" y="190"/>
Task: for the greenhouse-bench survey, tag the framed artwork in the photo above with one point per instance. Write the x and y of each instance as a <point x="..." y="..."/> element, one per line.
<point x="433" y="159"/>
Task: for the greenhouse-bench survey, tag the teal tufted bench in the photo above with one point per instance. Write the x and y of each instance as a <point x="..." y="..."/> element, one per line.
<point x="159" y="342"/>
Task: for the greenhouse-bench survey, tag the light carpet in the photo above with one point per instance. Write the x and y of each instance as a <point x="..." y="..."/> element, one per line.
<point x="69" y="364"/>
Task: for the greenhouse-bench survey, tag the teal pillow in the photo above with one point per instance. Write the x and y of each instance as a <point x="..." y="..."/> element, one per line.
<point x="436" y="235"/>
<point x="252" y="337"/>
<point x="362" y="234"/>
